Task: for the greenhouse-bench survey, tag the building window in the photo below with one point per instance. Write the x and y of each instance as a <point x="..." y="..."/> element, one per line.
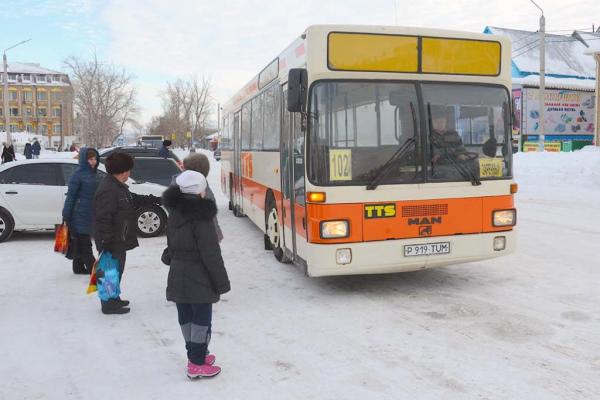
<point x="42" y="112"/>
<point x="14" y="111"/>
<point x="13" y="95"/>
<point x="28" y="96"/>
<point x="28" y="111"/>
<point x="42" y="96"/>
<point x="26" y="77"/>
<point x="0" y="111"/>
<point x="56" y="112"/>
<point x="14" y="127"/>
<point x="57" y="129"/>
<point x="43" y="129"/>
<point x="40" y="78"/>
<point x="12" y="77"/>
<point x="56" y="96"/>
<point x="29" y="128"/>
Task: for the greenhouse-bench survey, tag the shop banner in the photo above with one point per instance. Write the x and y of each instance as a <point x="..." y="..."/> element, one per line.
<point x="566" y="112"/>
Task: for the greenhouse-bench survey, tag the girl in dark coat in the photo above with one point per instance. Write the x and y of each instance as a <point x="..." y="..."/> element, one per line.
<point x="78" y="210"/>
<point x="197" y="275"/>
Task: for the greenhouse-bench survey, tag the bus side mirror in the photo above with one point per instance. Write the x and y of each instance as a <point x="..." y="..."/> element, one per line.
<point x="297" y="86"/>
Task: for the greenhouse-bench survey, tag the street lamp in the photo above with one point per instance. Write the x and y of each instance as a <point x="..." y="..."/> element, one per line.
<point x="542" y="91"/>
<point x="6" y="111"/>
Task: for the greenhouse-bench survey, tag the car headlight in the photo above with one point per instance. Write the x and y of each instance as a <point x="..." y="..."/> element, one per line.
<point x="504" y="217"/>
<point x="334" y="229"/>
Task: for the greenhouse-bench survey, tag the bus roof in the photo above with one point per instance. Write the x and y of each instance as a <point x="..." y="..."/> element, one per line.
<point x="312" y="50"/>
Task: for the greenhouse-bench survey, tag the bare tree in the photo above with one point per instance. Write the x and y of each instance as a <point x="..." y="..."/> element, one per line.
<point x="104" y="99"/>
<point x="186" y="108"/>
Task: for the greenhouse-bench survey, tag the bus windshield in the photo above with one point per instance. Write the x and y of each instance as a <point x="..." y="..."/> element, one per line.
<point x="356" y="127"/>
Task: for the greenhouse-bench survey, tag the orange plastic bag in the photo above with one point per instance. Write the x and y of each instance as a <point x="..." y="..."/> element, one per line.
<point x="61" y="239"/>
<point x="92" y="286"/>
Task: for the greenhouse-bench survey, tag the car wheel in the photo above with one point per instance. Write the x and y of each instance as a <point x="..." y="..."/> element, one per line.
<point x="151" y="221"/>
<point x="274" y="232"/>
<point x="6" y="226"/>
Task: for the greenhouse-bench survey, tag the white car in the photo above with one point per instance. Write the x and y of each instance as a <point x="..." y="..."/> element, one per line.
<point x="32" y="195"/>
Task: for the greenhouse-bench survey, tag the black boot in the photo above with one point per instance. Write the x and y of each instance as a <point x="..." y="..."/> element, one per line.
<point x="122" y="302"/>
<point x="79" y="267"/>
<point x="112" y="306"/>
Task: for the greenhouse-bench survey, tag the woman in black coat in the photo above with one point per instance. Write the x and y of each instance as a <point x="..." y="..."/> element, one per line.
<point x="197" y="274"/>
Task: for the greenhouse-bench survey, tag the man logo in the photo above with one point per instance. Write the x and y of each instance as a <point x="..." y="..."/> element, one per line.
<point x="425" y="221"/>
<point x="380" y="210"/>
<point x="425" y="230"/>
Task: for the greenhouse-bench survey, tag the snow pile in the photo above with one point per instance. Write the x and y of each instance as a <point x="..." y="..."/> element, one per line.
<point x="20" y="138"/>
<point x="576" y="173"/>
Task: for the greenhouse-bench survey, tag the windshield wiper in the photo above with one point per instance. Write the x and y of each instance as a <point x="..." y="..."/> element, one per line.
<point x="462" y="170"/>
<point x="398" y="155"/>
<point x="385" y="169"/>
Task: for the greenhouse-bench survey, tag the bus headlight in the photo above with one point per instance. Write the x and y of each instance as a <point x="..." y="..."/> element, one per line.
<point x="334" y="229"/>
<point x="504" y="217"/>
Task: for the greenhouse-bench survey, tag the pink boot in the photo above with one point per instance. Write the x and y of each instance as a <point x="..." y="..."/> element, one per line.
<point x="202" y="371"/>
<point x="210" y="359"/>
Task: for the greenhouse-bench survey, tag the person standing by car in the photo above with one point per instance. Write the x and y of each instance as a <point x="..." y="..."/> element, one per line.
<point x="115" y="210"/>
<point x="78" y="210"/>
<point x="8" y="153"/>
<point x="164" y="151"/>
<point x="27" y="151"/>
<point x="197" y="274"/>
<point x="35" y="149"/>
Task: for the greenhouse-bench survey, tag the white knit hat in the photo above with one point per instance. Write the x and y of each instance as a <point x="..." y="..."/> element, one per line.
<point x="191" y="182"/>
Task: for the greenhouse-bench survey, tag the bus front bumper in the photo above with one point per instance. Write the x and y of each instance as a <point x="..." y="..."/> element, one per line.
<point x="389" y="256"/>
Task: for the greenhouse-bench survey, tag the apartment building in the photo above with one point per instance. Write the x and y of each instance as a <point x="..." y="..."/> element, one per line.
<point x="40" y="101"/>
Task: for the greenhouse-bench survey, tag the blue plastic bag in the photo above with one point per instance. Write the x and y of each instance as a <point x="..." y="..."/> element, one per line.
<point x="107" y="275"/>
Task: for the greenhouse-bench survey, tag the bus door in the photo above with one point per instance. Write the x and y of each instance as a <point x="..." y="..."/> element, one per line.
<point x="237" y="168"/>
<point x="287" y="186"/>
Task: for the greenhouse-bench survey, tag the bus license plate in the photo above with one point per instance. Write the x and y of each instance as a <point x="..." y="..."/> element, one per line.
<point x="412" y="250"/>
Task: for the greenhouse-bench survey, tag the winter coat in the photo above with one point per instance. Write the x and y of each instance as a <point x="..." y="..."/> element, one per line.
<point x="8" y="154"/>
<point x="197" y="273"/>
<point x="35" y="148"/>
<point x="114" y="216"/>
<point x="78" y="208"/>
<point x="28" y="151"/>
<point x="449" y="142"/>
<point x="164" y="152"/>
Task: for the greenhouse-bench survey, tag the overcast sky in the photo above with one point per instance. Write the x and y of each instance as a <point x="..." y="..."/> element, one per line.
<point x="231" y="40"/>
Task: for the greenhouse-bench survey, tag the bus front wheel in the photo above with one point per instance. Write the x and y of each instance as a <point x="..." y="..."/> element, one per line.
<point x="274" y="233"/>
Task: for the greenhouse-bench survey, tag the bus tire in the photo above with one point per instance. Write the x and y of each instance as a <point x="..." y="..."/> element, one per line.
<point x="273" y="231"/>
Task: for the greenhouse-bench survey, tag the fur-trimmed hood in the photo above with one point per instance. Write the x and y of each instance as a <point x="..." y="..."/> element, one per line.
<point x="189" y="206"/>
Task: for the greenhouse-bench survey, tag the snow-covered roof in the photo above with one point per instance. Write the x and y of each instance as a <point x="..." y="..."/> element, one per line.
<point x="565" y="55"/>
<point x="30" y="68"/>
<point x="556" y="83"/>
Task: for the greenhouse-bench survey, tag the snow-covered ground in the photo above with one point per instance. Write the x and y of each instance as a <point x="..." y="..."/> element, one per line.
<point x="520" y="327"/>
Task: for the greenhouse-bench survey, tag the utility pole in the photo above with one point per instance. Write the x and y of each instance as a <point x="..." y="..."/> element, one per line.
<point x="542" y="91"/>
<point x="6" y="113"/>
<point x="6" y="109"/>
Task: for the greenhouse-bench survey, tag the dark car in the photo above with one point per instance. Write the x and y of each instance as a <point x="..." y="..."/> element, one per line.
<point x="137" y="151"/>
<point x="149" y="166"/>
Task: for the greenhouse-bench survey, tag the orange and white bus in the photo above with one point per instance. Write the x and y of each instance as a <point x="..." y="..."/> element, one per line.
<point x="372" y="149"/>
